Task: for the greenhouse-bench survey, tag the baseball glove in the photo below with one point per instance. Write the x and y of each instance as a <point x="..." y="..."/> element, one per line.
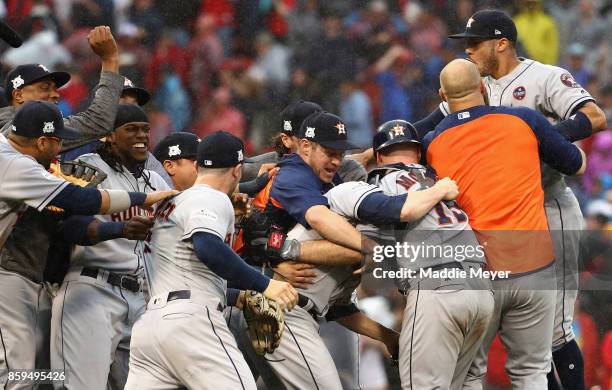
<point x="78" y="173"/>
<point x="263" y="240"/>
<point x="265" y="321"/>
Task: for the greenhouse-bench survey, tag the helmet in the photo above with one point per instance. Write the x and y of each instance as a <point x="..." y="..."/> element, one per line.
<point x="395" y="132"/>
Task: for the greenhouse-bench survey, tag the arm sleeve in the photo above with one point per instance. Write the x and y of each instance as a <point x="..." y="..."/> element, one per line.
<point x="220" y="259"/>
<point x="380" y="209"/>
<point x="78" y="200"/>
<point x="578" y="127"/>
<point x="27" y="181"/>
<point x="297" y="193"/>
<point x="554" y="150"/>
<point x="428" y="123"/>
<point x="98" y="119"/>
<point x="74" y="229"/>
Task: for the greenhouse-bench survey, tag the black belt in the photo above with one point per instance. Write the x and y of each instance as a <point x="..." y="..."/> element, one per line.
<point x="185" y="294"/>
<point x="127" y="282"/>
<point x="306" y="304"/>
<point x="453" y="265"/>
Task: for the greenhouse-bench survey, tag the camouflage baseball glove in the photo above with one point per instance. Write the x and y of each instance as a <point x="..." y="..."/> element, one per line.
<point x="265" y="320"/>
<point x="78" y="173"/>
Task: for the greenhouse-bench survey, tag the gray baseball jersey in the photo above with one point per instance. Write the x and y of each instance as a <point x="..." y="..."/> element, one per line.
<point x="445" y="318"/>
<point x="125" y="256"/>
<point x="203" y="351"/>
<point x="111" y="310"/>
<point x="553" y="92"/>
<point x="25" y="186"/>
<point x="303" y="361"/>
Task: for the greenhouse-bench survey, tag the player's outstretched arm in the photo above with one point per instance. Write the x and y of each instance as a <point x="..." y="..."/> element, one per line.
<point x="333" y="227"/>
<point x="86" y="230"/>
<point x="89" y="201"/>
<point x="362" y="324"/>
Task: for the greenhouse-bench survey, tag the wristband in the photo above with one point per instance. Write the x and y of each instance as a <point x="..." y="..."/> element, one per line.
<point x="109" y="230"/>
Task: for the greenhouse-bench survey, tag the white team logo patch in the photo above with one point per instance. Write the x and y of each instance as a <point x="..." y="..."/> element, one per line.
<point x="340" y="127"/>
<point x="127" y="82"/>
<point x="497" y="32"/>
<point x="207" y="162"/>
<point x="310" y="132"/>
<point x="463" y="115"/>
<point x="240" y="155"/>
<point x="49" y="127"/>
<point x="469" y="23"/>
<point x="287" y="126"/>
<point x="41" y="66"/>
<point x="17" y="82"/>
<point x="13" y="128"/>
<point x="174" y="150"/>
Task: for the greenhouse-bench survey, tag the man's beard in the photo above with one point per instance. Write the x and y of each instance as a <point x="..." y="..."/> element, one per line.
<point x="490" y="64"/>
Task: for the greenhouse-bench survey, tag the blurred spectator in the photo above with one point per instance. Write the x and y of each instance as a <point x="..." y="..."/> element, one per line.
<point x="606" y="360"/>
<point x="205" y="55"/>
<point x="271" y="65"/>
<point x="587" y="337"/>
<point x="356" y="111"/>
<point x="223" y="13"/>
<point x="220" y="115"/>
<point x="167" y="54"/>
<point x="389" y="72"/>
<point x="304" y="28"/>
<point x="177" y="14"/>
<point x="145" y="16"/>
<point x="599" y="160"/>
<point x="374" y="29"/>
<point x="537" y="32"/>
<point x="575" y="64"/>
<point x="42" y="48"/>
<point x="173" y="97"/>
<point x="93" y="12"/>
<point x="427" y="33"/>
<point x="561" y="10"/>
<point x="330" y="58"/>
<point x="587" y="26"/>
<point x="134" y="58"/>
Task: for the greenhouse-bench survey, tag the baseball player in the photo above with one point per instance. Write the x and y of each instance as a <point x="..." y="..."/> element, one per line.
<point x="188" y="265"/>
<point x="177" y="153"/>
<point x="342" y="343"/>
<point x="27" y="188"/>
<point x="473" y="145"/>
<point x="36" y="82"/>
<point x="101" y="296"/>
<point x="490" y="37"/>
<point x="445" y="318"/>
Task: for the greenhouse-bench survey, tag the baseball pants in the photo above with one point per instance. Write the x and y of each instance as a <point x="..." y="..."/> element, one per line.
<point x="523" y="315"/>
<point x="90" y="331"/>
<point x="25" y="314"/>
<point x="343" y="346"/>
<point x="442" y="329"/>
<point x="302" y="360"/>
<point x="566" y="224"/>
<point x="186" y="343"/>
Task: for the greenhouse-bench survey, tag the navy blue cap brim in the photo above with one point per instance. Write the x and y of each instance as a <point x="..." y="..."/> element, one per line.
<point x="60" y="78"/>
<point x="68" y="133"/>
<point x="466" y="35"/>
<point x="338" y="144"/>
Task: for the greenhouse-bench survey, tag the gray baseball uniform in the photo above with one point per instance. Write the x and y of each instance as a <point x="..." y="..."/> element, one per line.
<point x="185" y="341"/>
<point x="25" y="188"/>
<point x="100" y="298"/>
<point x="302" y="361"/>
<point x="445" y="318"/>
<point x="553" y="92"/>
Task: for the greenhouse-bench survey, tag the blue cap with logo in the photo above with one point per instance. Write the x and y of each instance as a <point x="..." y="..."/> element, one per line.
<point x="37" y="119"/>
<point x="221" y="150"/>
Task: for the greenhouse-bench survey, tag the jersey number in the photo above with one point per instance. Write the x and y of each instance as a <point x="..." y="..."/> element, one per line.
<point x="445" y="219"/>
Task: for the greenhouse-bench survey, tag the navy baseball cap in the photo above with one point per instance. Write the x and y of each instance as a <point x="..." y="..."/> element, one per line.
<point x="176" y="146"/>
<point x="326" y="129"/>
<point x="37" y="118"/>
<point x="489" y="24"/>
<point x="294" y="114"/>
<point x="221" y="150"/>
<point x="23" y="75"/>
<point x="142" y="95"/>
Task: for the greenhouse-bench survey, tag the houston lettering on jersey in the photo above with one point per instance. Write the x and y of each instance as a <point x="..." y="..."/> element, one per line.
<point x="129" y="213"/>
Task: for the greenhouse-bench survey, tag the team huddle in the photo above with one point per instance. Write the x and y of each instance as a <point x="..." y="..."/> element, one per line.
<point x="197" y="267"/>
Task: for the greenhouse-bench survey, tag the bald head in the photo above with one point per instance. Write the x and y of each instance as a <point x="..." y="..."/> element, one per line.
<point x="459" y="79"/>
